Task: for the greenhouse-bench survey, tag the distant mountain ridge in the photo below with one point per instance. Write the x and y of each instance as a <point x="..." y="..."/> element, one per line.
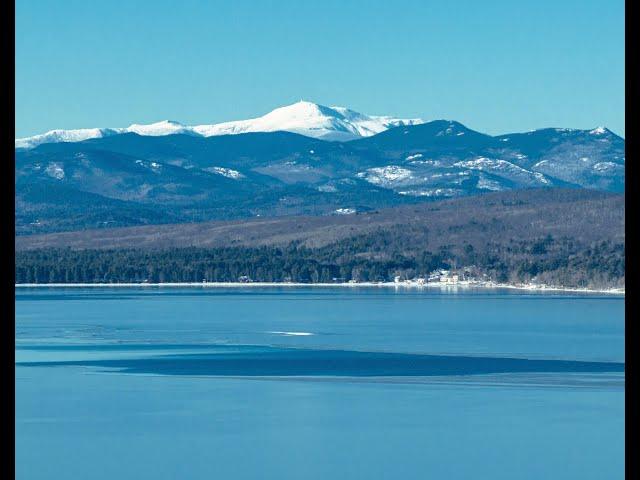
<point x="128" y="179"/>
<point x="303" y="117"/>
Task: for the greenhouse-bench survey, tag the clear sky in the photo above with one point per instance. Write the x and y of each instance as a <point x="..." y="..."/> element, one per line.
<point x="496" y="66"/>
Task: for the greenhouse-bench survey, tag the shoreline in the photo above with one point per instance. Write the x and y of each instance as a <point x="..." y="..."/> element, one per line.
<point x="406" y="284"/>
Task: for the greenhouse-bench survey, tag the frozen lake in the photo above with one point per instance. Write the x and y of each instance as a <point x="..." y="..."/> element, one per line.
<point x="318" y="382"/>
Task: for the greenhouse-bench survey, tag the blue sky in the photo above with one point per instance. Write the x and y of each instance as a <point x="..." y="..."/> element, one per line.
<point x="496" y="66"/>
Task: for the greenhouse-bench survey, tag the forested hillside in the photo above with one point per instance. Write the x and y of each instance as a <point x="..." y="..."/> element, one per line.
<point x="562" y="237"/>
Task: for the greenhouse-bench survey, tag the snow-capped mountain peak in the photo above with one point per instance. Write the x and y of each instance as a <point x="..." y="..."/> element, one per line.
<point x="301" y="111"/>
<point x="158" y="129"/>
<point x="57" y="136"/>
<point x="312" y="120"/>
<point x="303" y="117"/>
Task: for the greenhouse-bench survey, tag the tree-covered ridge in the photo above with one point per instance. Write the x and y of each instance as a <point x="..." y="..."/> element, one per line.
<point x="587" y="216"/>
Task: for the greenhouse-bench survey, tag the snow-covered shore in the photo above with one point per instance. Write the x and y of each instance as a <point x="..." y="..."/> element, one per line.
<point x="462" y="285"/>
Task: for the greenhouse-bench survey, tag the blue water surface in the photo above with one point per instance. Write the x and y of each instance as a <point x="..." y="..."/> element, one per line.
<point x="318" y="383"/>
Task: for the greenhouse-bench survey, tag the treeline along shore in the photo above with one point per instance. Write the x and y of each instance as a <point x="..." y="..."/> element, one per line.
<point x="547" y="260"/>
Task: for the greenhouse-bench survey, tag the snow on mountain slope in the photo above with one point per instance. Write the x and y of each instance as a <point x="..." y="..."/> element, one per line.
<point x="505" y="169"/>
<point x="305" y="118"/>
<point x="389" y="176"/>
<point x="57" y="136"/>
<point x="312" y="120"/>
<point x="159" y="129"/>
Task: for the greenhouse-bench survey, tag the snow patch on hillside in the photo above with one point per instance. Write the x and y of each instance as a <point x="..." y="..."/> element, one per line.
<point x="432" y="192"/>
<point x="386" y="176"/>
<point x="226" y="172"/>
<point x="345" y="211"/>
<point x="504" y="169"/>
<point x="55" y="170"/>
<point x="606" y="168"/>
<point x="327" y="188"/>
<point x="487" y="184"/>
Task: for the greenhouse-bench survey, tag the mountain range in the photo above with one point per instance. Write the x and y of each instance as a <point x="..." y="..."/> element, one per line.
<point x="305" y="118"/>
<point x="301" y="159"/>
